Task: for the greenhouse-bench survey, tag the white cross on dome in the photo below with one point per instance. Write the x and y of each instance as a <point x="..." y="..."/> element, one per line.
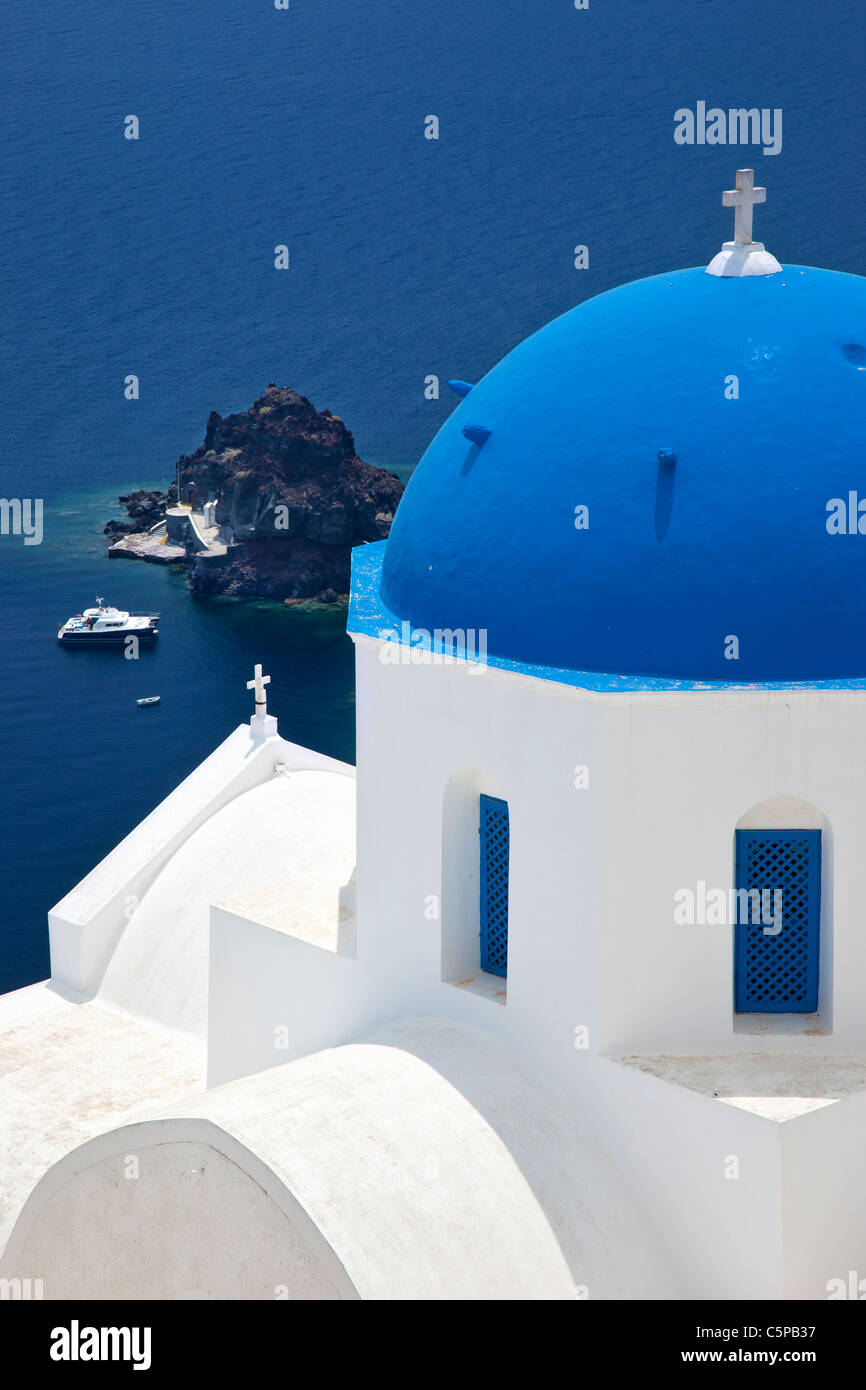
<point x="743" y="256"/>
<point x="743" y="199"/>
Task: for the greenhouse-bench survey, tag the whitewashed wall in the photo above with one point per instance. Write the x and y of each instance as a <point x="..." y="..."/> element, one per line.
<point x="680" y="773"/>
<point x="594" y="871"/>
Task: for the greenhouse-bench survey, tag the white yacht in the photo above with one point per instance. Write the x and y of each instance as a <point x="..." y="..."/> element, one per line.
<point x="103" y="624"/>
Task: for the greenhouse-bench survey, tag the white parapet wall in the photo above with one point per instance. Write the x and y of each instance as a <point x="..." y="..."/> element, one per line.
<point x="274" y="997"/>
<point x="284" y="978"/>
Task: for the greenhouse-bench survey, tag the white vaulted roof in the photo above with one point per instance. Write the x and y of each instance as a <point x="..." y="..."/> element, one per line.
<point x="291" y="839"/>
<point x="419" y="1162"/>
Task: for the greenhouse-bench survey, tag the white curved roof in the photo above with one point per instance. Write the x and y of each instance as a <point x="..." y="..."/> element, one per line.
<point x="422" y="1160"/>
<point x="69" y="1071"/>
<point x="291" y="837"/>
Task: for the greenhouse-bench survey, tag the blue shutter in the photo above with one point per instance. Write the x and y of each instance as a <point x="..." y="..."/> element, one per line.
<point x="778" y="973"/>
<point x="494" y="885"/>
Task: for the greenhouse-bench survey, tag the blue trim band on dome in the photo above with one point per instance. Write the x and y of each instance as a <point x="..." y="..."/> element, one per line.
<point x="370" y="616"/>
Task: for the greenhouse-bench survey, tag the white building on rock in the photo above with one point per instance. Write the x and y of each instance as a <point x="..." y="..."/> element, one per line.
<point x="561" y="993"/>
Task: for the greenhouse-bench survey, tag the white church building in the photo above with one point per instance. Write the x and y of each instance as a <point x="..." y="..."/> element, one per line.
<point x="561" y="992"/>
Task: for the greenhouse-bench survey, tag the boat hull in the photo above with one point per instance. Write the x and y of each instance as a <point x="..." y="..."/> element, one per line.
<point x="106" y="639"/>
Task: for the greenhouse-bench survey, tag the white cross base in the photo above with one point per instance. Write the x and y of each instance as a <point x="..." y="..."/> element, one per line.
<point x="743" y="256"/>
<point x="262" y="726"/>
<point x="738" y="259"/>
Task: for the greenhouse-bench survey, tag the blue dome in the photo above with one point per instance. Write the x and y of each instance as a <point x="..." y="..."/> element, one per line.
<point x="707" y="516"/>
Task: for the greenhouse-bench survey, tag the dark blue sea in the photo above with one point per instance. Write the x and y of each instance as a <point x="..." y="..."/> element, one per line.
<point x="408" y="257"/>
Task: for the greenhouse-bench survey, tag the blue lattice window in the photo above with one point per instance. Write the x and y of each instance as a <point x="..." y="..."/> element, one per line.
<point x="494" y="885"/>
<point x="776" y="971"/>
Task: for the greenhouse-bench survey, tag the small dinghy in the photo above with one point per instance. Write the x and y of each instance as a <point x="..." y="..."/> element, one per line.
<point x="149" y="700"/>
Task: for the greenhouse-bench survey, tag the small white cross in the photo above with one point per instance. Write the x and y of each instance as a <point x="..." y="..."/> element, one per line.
<point x="743" y="198"/>
<point x="258" y="684"/>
